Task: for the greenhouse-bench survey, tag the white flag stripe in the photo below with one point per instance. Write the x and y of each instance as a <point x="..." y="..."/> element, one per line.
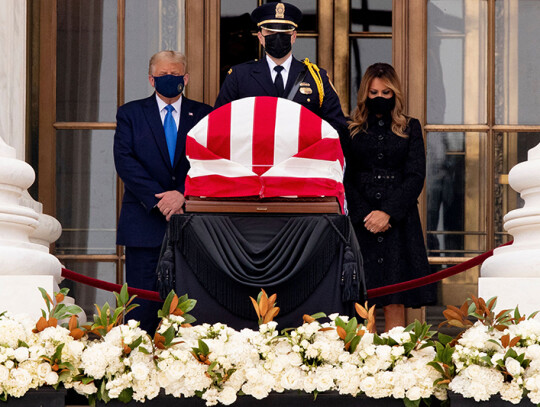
<point x="200" y="132"/>
<point x="225" y="168"/>
<point x="328" y="131"/>
<point x="242" y="131"/>
<point x="286" y="130"/>
<point x="307" y="168"/>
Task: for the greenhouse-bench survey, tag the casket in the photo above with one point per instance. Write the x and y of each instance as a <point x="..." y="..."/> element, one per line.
<point x="264" y="154"/>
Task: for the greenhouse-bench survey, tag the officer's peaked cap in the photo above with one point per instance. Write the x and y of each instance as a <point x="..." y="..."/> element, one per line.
<point x="277" y="16"/>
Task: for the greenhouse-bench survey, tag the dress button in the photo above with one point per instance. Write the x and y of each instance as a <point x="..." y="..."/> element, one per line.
<point x="380" y="137"/>
<point x="378" y="177"/>
<point x="378" y="195"/>
<point x="380" y="156"/>
<point x="380" y="260"/>
<point x="380" y="239"/>
<point x="174" y="178"/>
<point x="381" y="123"/>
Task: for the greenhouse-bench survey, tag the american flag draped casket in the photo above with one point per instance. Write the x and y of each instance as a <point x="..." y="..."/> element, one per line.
<point x="266" y="147"/>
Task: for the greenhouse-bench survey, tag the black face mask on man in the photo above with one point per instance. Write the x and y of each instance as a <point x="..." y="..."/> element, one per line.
<point x="277" y="45"/>
<point x="169" y="86"/>
<point x="380" y="105"/>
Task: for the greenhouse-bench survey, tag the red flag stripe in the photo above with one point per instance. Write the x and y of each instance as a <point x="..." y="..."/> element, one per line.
<point x="219" y="132"/>
<point x="310" y="129"/>
<point x="264" y="125"/>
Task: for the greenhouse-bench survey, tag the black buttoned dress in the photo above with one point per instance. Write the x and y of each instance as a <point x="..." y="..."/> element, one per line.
<point x="386" y="172"/>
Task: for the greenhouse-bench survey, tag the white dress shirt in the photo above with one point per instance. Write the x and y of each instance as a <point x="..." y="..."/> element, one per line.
<point x="176" y="112"/>
<point x="284" y="73"/>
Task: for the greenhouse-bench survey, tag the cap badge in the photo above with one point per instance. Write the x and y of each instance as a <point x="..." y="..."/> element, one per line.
<point x="280" y="10"/>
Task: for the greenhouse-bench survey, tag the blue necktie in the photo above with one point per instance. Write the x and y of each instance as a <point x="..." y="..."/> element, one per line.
<point x="171" y="132"/>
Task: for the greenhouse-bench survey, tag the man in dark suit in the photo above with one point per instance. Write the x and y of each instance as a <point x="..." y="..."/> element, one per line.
<point x="279" y="73"/>
<point x="150" y="158"/>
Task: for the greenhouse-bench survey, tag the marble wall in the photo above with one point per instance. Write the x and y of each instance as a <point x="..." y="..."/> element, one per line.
<point x="13" y="74"/>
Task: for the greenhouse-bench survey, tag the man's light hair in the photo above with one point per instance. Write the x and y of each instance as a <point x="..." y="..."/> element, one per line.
<point x="172" y="56"/>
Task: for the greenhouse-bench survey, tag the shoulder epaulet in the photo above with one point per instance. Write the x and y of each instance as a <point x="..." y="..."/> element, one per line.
<point x="316" y="74"/>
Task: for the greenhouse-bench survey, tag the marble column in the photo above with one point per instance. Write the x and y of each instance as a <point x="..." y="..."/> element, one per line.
<point x="513" y="272"/>
<point x="25" y="231"/>
<point x="13" y="73"/>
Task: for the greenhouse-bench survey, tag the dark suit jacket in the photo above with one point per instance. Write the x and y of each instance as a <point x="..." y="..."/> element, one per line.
<point x="142" y="162"/>
<point x="254" y="79"/>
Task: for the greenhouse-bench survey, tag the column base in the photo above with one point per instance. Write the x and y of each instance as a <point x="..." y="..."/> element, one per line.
<point x="512" y="292"/>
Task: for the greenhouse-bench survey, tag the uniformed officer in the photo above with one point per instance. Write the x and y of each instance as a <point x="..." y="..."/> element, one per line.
<point x="279" y="73"/>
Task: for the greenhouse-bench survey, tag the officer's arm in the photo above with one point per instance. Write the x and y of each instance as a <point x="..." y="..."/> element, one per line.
<point x="331" y="108"/>
<point x="229" y="89"/>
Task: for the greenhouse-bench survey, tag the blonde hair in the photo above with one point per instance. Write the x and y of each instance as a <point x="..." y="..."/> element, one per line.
<point x="173" y="56"/>
<point x="388" y="75"/>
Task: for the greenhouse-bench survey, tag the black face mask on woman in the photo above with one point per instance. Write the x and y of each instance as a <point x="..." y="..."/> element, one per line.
<point x="277" y="45"/>
<point x="380" y="105"/>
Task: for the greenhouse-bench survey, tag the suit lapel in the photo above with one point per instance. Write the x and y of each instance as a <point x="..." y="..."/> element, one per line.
<point x="186" y="123"/>
<point x="296" y="68"/>
<point x="151" y="112"/>
<point x="262" y="75"/>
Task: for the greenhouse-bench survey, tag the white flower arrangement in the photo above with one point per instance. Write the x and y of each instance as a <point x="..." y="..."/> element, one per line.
<point x="497" y="355"/>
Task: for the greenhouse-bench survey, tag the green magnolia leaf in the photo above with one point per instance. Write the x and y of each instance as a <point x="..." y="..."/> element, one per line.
<point x="496" y="342"/>
<point x="164" y="312"/>
<point x="444" y="339"/>
<point x="533" y="315"/>
<point x="58" y="352"/>
<point x="22" y="344"/>
<point x="411" y="403"/>
<point x="349" y="337"/>
<point x="472" y="308"/>
<point x="102" y="392"/>
<point x="203" y="347"/>
<point x="189" y="319"/>
<point x="136" y="343"/>
<point x="124" y="294"/>
<point x="354" y="343"/>
<point x="126" y="395"/>
<point x="351" y="325"/>
<point x="437" y="367"/>
<point x="487" y="359"/>
<point x="339" y="322"/>
<point x="187" y="305"/>
<point x="318" y="315"/>
<point x="211" y="367"/>
<point x="169" y="335"/>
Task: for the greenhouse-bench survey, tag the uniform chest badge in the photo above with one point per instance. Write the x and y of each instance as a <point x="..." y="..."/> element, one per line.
<point x="305" y="84"/>
<point x="306" y="91"/>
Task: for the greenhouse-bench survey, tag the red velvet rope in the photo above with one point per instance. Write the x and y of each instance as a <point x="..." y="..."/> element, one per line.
<point x="432" y="278"/>
<point x="105" y="285"/>
<point x="374" y="292"/>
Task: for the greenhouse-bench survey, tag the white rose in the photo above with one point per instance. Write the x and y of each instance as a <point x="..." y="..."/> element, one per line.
<point x="513" y="367"/>
<point x="51" y="378"/>
<point x="21" y="354"/>
<point x="22" y="378"/>
<point x="9" y="364"/>
<point x="140" y="370"/>
<point x="227" y="396"/>
<point x="4" y="373"/>
<point x="43" y="370"/>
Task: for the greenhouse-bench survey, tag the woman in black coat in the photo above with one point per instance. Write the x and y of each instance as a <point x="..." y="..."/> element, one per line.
<point x="384" y="175"/>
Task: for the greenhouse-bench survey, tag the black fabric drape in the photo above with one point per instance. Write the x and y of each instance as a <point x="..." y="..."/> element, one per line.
<point x="232" y="257"/>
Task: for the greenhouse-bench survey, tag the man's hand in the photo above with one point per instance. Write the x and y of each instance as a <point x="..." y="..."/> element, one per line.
<point x="170" y="203"/>
<point x="377" y="221"/>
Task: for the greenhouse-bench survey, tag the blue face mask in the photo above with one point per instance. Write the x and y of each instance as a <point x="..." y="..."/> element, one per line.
<point x="169" y="86"/>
